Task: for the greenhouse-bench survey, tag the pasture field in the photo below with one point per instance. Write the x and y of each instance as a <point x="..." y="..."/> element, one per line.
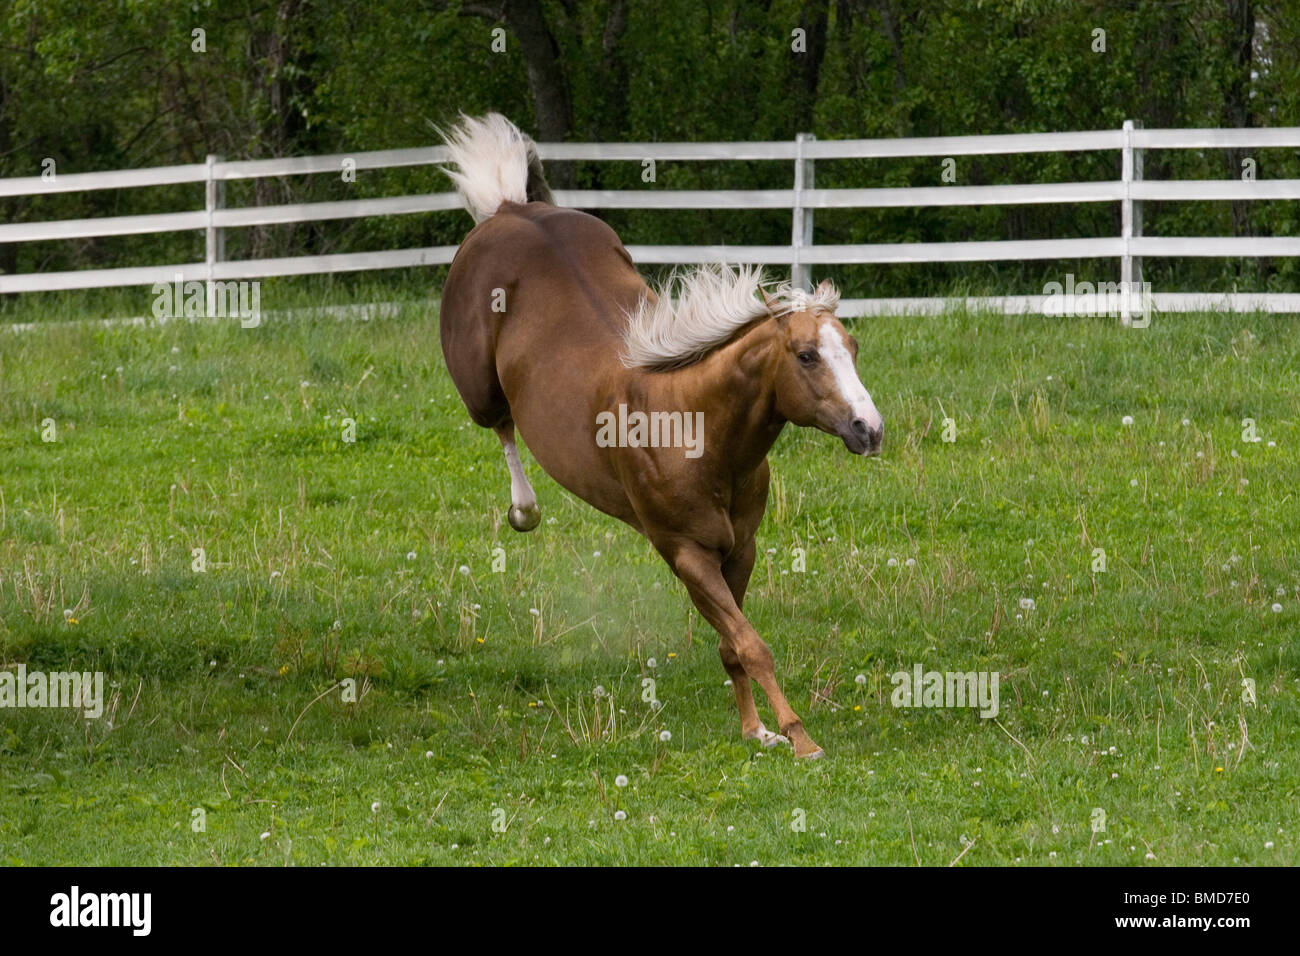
<point x="1121" y="690"/>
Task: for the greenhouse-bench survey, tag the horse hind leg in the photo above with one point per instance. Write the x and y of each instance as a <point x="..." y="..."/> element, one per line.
<point x="524" y="515"/>
<point x="468" y="347"/>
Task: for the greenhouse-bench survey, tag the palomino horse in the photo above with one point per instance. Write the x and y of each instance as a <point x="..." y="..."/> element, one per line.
<point x="548" y="327"/>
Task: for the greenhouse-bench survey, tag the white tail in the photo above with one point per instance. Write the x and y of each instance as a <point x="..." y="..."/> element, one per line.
<point x="492" y="159"/>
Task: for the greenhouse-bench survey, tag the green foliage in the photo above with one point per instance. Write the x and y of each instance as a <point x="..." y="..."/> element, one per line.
<point x="119" y="85"/>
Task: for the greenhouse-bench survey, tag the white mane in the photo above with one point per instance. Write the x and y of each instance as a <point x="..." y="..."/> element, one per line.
<point x="696" y="311"/>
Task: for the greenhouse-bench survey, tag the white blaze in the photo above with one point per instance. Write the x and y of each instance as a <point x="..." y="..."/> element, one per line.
<point x="840" y="361"/>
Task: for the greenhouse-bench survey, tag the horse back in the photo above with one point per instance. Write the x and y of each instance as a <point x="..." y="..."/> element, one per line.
<point x="561" y="271"/>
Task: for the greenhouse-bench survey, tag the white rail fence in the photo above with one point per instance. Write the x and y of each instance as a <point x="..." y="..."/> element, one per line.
<point x="803" y="199"/>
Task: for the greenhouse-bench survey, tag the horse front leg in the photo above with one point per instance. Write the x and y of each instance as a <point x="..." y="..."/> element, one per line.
<point x="701" y="570"/>
<point x="736" y="570"/>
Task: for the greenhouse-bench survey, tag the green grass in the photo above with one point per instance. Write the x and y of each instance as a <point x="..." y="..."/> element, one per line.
<point x="373" y="561"/>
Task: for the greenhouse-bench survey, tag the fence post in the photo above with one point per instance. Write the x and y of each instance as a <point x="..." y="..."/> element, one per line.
<point x="1130" y="220"/>
<point x="802" y="226"/>
<point x="214" y="199"/>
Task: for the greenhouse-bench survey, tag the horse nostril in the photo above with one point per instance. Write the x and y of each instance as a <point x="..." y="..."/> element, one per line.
<point x="872" y="436"/>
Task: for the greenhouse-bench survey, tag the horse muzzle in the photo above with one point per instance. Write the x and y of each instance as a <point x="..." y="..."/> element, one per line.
<point x="861" y="438"/>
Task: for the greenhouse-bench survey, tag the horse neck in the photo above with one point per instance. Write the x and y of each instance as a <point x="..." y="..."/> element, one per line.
<point x="735" y="386"/>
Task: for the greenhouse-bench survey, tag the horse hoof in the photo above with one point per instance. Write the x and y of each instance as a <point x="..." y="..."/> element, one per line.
<point x="766" y="737"/>
<point x="804" y="747"/>
<point x="524" y="519"/>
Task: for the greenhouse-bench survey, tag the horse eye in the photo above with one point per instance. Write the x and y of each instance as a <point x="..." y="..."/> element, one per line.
<point x="807" y="358"/>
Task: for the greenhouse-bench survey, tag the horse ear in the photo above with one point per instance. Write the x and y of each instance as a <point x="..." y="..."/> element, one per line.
<point x="769" y="301"/>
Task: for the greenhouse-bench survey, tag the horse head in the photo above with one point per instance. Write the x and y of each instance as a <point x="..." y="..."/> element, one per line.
<point x="817" y="382"/>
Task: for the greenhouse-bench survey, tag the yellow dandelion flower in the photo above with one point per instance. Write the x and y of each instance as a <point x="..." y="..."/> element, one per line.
<point x="671" y="654"/>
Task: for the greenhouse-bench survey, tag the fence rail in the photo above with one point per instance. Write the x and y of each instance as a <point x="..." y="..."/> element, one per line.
<point x="1130" y="191"/>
